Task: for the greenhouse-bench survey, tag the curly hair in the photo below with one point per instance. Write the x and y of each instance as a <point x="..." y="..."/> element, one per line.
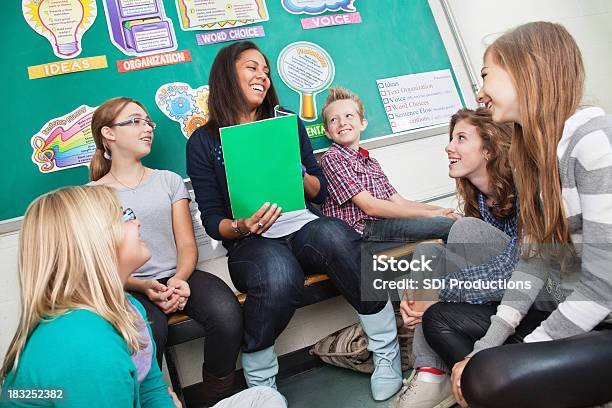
<point x="496" y="141"/>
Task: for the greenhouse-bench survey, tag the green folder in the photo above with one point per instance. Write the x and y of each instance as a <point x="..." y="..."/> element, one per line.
<point x="263" y="164"/>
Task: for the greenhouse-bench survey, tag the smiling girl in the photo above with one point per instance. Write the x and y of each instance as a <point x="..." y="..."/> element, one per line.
<point x="169" y="281"/>
<point x="478" y="161"/>
<point x="557" y="308"/>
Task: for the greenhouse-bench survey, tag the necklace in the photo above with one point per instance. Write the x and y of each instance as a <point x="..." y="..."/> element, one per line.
<point x="132" y="189"/>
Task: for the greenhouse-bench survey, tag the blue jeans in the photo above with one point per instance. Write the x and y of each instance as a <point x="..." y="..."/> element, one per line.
<point x="407" y="229"/>
<point x="271" y="271"/>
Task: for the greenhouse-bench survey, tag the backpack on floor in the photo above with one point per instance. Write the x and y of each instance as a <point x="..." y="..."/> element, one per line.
<point x="348" y="348"/>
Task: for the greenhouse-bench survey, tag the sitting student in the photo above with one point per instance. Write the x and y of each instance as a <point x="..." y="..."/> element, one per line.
<point x="558" y="303"/>
<point x="169" y="281"/>
<point x="478" y="161"/>
<point x="80" y="339"/>
<point x="359" y="191"/>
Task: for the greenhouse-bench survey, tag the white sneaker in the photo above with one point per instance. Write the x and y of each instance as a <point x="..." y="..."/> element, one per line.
<point x="421" y="394"/>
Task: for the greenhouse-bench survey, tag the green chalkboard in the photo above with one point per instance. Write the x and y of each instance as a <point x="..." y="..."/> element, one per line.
<point x="396" y="37"/>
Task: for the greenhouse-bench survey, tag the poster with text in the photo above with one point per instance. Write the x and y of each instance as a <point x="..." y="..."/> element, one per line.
<point x="64" y="142"/>
<point x="317" y="6"/>
<point x="307" y="69"/>
<point x="62" y="22"/>
<point x="419" y="100"/>
<point x="216" y="14"/>
<point x="183" y="104"/>
<point x="139" y="27"/>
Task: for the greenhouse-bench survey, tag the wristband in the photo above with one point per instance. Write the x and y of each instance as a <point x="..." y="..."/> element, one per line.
<point x="303" y="171"/>
<point x="237" y="229"/>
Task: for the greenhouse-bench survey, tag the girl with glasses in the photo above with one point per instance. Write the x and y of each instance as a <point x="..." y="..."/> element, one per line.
<point x="169" y="281"/>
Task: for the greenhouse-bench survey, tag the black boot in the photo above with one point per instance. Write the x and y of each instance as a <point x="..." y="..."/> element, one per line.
<point x="216" y="389"/>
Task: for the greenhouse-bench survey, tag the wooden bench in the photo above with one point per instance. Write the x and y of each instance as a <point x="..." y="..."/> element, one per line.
<point x="317" y="287"/>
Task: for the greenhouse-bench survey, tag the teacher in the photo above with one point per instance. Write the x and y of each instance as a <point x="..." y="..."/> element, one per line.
<point x="270" y="251"/>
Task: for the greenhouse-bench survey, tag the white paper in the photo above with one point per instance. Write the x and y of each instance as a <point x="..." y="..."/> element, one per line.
<point x="419" y="100"/>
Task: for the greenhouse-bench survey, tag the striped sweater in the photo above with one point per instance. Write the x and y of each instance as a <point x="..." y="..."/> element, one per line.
<point x="580" y="298"/>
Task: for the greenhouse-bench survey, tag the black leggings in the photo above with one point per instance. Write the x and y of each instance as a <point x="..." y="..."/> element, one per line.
<point x="572" y="372"/>
<point x="212" y="304"/>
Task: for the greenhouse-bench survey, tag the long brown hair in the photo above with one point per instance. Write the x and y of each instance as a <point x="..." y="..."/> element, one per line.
<point x="226" y="103"/>
<point x="105" y="115"/>
<point x="496" y="141"/>
<point x="546" y="66"/>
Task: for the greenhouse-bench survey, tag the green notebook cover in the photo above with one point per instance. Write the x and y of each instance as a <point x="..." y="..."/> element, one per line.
<point x="263" y="164"/>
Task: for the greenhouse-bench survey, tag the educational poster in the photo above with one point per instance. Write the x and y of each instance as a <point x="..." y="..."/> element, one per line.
<point x="307" y="69"/>
<point x="232" y="34"/>
<point x="65" y="142"/>
<point x="182" y="104"/>
<point x="62" y="22"/>
<point x="208" y="248"/>
<point x="215" y="14"/>
<point x="419" y="100"/>
<point x="139" y="27"/>
<point x="317" y="6"/>
<point x="330" y="20"/>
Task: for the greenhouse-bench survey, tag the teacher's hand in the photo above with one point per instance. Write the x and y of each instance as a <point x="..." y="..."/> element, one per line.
<point x="262" y="220"/>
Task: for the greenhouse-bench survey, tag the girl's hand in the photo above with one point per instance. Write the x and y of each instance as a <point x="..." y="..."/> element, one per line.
<point x="410" y="316"/>
<point x="456" y="381"/>
<point x="262" y="220"/>
<point x="155" y="291"/>
<point x="181" y="288"/>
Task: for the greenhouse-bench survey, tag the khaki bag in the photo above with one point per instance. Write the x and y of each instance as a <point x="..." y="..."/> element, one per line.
<point x="348" y="348"/>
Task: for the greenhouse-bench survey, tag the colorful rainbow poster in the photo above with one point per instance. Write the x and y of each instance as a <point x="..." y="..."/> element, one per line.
<point x="62" y="22"/>
<point x="64" y="142"/>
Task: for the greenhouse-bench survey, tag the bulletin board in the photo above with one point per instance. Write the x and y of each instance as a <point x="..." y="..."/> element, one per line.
<point x="393" y="38"/>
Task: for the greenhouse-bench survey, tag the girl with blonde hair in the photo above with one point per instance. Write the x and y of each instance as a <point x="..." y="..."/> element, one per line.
<point x="169" y="281"/>
<point x="79" y="338"/>
<point x="558" y="303"/>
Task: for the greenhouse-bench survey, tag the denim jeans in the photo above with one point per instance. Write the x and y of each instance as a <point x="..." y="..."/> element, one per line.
<point x="407" y="229"/>
<point x="271" y="271"/>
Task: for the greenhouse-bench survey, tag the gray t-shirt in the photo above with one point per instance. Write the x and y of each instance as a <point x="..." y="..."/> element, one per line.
<point x="152" y="203"/>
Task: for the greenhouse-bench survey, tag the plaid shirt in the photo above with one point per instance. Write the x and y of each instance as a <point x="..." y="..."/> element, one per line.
<point x="500" y="267"/>
<point x="349" y="172"/>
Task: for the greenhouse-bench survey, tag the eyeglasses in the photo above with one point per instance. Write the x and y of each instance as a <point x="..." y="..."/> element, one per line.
<point x="128" y="215"/>
<point x="136" y="122"/>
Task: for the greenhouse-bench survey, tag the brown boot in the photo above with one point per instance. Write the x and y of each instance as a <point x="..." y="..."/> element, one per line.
<point x="215" y="389"/>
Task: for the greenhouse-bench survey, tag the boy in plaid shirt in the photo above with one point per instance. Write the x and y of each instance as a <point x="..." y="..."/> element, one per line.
<point x="359" y="191"/>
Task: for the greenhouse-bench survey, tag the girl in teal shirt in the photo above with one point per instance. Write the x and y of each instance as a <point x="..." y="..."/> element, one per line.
<point x="80" y="340"/>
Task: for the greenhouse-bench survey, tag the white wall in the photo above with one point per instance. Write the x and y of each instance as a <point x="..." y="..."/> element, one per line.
<point x="589" y="21"/>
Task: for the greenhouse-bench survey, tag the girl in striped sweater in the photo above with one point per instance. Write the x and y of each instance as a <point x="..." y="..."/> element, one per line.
<point x="557" y="305"/>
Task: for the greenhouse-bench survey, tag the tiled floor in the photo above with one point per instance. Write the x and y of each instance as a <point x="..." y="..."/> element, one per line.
<point x="329" y="387"/>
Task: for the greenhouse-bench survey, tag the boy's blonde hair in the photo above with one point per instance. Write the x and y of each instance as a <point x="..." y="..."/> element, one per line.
<point x="338" y="94"/>
<point x="68" y="260"/>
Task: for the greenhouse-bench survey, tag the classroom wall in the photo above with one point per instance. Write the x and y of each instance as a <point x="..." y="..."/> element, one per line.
<point x="417" y="168"/>
<point x="589" y="21"/>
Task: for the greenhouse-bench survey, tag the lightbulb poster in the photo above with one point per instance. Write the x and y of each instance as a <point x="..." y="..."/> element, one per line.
<point x="62" y="22"/>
